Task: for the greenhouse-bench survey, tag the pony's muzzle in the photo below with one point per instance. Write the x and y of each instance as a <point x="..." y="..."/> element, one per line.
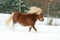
<point x="41" y="19"/>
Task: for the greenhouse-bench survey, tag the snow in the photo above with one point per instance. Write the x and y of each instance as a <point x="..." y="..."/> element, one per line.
<point x="45" y="32"/>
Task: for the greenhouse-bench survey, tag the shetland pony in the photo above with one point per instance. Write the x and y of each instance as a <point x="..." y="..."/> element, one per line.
<point x="27" y="19"/>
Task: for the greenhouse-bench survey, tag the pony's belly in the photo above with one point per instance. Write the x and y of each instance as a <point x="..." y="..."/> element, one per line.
<point x="24" y="23"/>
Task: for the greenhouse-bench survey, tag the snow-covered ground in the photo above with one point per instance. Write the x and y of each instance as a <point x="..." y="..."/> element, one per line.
<point x="45" y="32"/>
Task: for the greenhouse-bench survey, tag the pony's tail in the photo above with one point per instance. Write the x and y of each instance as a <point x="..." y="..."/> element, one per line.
<point x="9" y="19"/>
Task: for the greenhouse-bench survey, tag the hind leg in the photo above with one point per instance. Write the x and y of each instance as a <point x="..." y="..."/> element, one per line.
<point x="13" y="25"/>
<point x="30" y="29"/>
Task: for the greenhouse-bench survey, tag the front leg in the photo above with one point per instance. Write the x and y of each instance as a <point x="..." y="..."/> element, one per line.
<point x="34" y="28"/>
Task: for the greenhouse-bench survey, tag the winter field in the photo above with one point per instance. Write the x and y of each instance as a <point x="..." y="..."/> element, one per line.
<point x="45" y="32"/>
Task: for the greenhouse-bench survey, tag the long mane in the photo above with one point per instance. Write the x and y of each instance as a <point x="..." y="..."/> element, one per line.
<point x="34" y="9"/>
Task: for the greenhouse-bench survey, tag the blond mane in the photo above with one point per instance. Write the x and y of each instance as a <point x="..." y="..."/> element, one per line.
<point x="34" y="9"/>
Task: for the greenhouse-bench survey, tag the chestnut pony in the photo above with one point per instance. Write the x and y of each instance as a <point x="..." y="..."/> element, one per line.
<point x="26" y="19"/>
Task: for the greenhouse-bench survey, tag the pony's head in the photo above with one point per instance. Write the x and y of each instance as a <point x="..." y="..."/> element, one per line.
<point x="40" y="17"/>
<point x="38" y="12"/>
